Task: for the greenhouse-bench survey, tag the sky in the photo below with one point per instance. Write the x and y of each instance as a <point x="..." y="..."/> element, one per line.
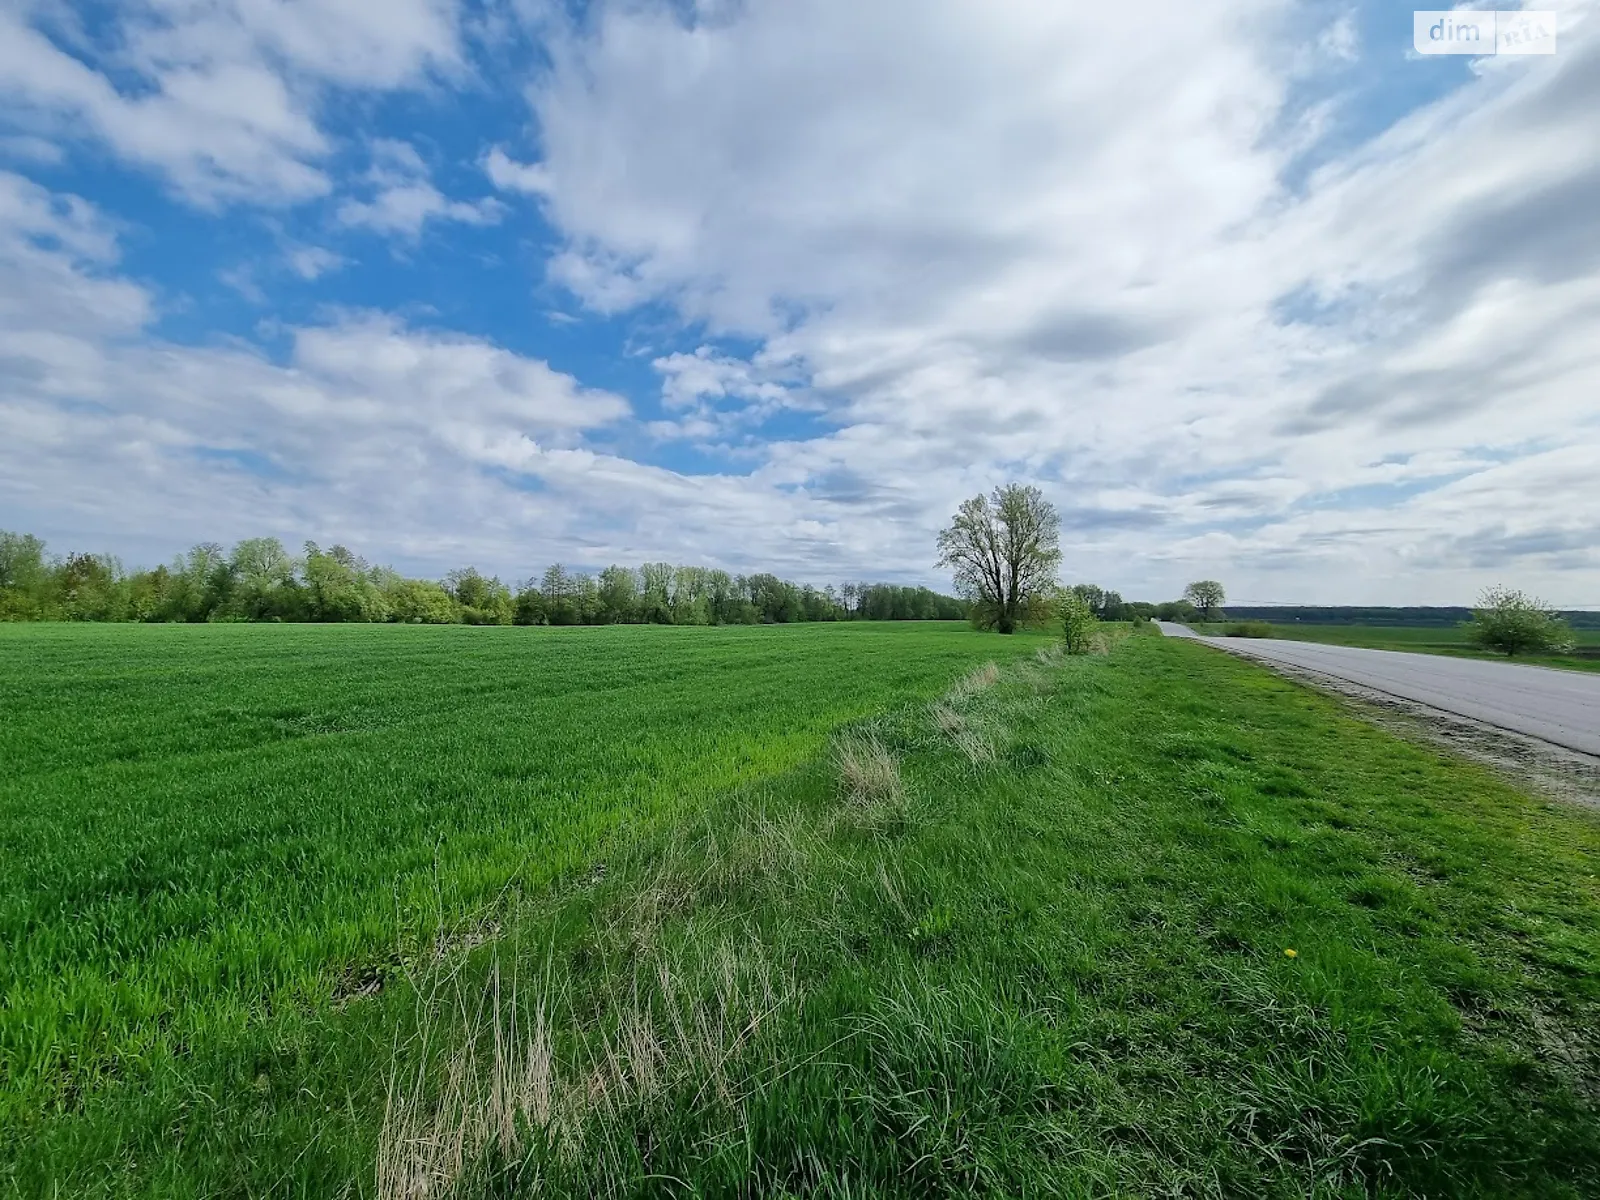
<point x="1249" y="288"/>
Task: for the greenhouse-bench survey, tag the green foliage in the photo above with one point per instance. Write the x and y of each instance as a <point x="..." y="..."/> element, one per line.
<point x="260" y="581"/>
<point x="1208" y="596"/>
<point x="1110" y="606"/>
<point x="1512" y="623"/>
<point x="1249" y="629"/>
<point x="1004" y="551"/>
<point x="1078" y="622"/>
<point x="1180" y="611"/>
<point x="481" y="600"/>
<point x="420" y="602"/>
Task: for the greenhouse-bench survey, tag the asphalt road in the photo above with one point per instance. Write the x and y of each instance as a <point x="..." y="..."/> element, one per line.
<point x="1561" y="707"/>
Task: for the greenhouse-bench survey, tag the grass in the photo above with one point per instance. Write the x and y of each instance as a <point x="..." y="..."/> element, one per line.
<point x="1024" y="935"/>
<point x="1065" y="970"/>
<point x="215" y="837"/>
<point x="1448" y="640"/>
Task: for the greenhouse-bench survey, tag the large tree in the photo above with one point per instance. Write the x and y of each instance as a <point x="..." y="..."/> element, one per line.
<point x="1207" y="595"/>
<point x="1004" y="550"/>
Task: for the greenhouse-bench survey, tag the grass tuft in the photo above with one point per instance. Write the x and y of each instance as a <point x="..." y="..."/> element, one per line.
<point x="869" y="778"/>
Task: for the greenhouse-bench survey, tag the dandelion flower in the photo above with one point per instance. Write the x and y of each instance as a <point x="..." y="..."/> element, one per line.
<point x="1291" y="954"/>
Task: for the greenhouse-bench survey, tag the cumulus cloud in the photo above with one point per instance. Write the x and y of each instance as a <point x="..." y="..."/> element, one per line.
<point x="404" y="198"/>
<point x="220" y="97"/>
<point x="313" y="262"/>
<point x="366" y="428"/>
<point x="711" y="394"/>
<point x="974" y="240"/>
<point x="1009" y="239"/>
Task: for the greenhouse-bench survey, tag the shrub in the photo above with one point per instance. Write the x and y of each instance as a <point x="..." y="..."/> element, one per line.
<point x="1250" y="629"/>
<point x="1515" y="623"/>
<point x="1077" y="623"/>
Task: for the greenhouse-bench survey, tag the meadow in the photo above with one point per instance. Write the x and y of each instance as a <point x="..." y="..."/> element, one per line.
<point x="1422" y="640"/>
<point x="826" y="910"/>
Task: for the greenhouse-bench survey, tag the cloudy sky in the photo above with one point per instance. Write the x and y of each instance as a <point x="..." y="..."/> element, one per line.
<point x="1247" y="287"/>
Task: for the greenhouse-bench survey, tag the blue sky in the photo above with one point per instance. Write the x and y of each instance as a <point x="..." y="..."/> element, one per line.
<point x="1250" y="289"/>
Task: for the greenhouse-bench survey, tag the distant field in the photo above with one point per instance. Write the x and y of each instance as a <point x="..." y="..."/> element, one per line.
<point x="1448" y="640"/>
<point x="211" y="829"/>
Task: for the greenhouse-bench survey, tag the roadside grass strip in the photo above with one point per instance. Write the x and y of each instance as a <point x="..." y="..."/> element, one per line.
<point x="1182" y="928"/>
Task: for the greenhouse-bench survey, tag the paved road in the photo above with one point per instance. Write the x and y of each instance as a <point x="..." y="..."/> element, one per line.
<point x="1557" y="706"/>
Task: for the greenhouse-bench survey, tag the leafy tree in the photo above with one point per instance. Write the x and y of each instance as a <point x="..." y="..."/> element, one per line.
<point x="727" y="607"/>
<point x="690" y="597"/>
<point x="1077" y="621"/>
<point x="339" y="587"/>
<point x="1004" y="551"/>
<point x="484" y="600"/>
<point x="200" y="584"/>
<point x="91" y="588"/>
<point x="1176" y="610"/>
<point x="529" y="607"/>
<point x="1515" y="623"/>
<point x="655" y="601"/>
<point x="777" y="601"/>
<point x="1208" y="596"/>
<point x="618" y="595"/>
<point x="263" y="586"/>
<point x="24" y="577"/>
<point x="419" y="601"/>
<point x="584" y="595"/>
<point x="1106" y="606"/>
<point x="560" y="607"/>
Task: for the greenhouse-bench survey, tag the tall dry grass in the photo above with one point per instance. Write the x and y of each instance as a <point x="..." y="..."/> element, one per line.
<point x="511" y="1078"/>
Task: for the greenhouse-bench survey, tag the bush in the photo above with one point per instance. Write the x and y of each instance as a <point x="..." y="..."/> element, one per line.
<point x="1513" y="623"/>
<point x="1250" y="629"/>
<point x="1077" y="623"/>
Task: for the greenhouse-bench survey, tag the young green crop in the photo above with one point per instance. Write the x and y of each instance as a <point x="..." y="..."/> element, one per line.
<point x="211" y="829"/>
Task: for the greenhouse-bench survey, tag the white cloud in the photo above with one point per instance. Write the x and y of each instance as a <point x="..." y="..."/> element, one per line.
<point x="406" y="441"/>
<point x="221" y="96"/>
<point x="313" y="262"/>
<point x="511" y="176"/>
<point x="713" y="394"/>
<point x="987" y="240"/>
<point x="404" y="198"/>
<point x="1013" y="239"/>
<point x="26" y="148"/>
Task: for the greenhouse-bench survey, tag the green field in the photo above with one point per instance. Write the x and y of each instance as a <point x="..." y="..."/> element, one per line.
<point x="1431" y="640"/>
<point x="651" y="911"/>
<point x="214" y="829"/>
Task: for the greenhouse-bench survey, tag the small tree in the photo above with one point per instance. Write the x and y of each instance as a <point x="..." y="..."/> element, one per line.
<point x="1514" y="623"/>
<point x="1004" y="551"/>
<point x="1077" y="622"/>
<point x="1206" y="595"/>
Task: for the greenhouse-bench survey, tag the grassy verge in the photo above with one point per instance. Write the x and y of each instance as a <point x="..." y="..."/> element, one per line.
<point x="1449" y="641"/>
<point x="1035" y="939"/>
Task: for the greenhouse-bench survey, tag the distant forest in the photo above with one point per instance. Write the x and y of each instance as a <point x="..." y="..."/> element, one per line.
<point x="261" y="581"/>
<point x="1418" y="617"/>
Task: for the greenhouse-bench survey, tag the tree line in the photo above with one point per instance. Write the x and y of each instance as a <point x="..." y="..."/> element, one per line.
<point x="259" y="580"/>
